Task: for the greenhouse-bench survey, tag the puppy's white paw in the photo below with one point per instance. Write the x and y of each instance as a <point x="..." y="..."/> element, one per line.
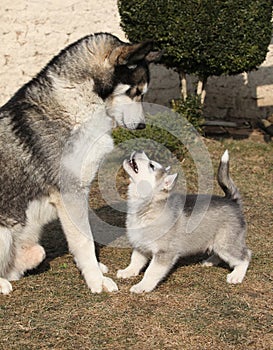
<point x="234" y="278"/>
<point x="5" y="286"/>
<point x="126" y="273"/>
<point x="103" y="268"/>
<point x="238" y="274"/>
<point x="140" y="288"/>
<point x="213" y="260"/>
<point x="206" y="263"/>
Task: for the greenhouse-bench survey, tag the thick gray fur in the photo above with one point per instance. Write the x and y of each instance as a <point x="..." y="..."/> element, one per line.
<point x="77" y="98"/>
<point x="157" y="228"/>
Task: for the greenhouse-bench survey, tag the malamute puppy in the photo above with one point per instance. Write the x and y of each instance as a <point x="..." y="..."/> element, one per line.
<point x="65" y="116"/>
<point x="157" y="220"/>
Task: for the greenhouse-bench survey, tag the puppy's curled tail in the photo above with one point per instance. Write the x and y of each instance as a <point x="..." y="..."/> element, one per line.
<point x="225" y="181"/>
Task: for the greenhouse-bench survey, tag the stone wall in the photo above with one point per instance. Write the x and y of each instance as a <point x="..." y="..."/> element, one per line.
<point x="32" y="31"/>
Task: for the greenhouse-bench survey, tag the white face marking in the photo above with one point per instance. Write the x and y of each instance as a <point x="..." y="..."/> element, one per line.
<point x="125" y="111"/>
<point x="145" y="89"/>
<point x="121" y="89"/>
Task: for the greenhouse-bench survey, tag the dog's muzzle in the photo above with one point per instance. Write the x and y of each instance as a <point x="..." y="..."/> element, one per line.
<point x="141" y="126"/>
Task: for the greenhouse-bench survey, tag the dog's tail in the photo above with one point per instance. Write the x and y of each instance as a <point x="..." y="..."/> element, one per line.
<point x="225" y="181"/>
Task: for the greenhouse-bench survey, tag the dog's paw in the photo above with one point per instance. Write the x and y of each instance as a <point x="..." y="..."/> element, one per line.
<point x="141" y="288"/>
<point x="5" y="286"/>
<point x="103" y="268"/>
<point x="126" y="273"/>
<point x="14" y="275"/>
<point x="33" y="256"/>
<point x="106" y="284"/>
<point x="109" y="285"/>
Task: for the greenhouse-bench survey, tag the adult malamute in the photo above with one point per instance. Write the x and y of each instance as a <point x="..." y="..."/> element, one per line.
<point x="72" y="104"/>
<point x="157" y="221"/>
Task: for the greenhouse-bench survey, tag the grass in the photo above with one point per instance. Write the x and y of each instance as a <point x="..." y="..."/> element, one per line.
<point x="194" y="308"/>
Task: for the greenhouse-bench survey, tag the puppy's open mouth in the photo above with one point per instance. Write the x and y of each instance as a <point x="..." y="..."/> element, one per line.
<point x="133" y="165"/>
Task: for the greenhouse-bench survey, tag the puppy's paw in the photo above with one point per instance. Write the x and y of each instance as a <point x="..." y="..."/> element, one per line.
<point x="126" y="273"/>
<point x="206" y="263"/>
<point x="141" y="288"/>
<point x="5" y="286"/>
<point x="234" y="278"/>
<point x="238" y="274"/>
<point x="213" y="260"/>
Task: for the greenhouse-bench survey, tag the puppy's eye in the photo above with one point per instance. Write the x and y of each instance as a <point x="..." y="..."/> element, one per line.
<point x="152" y="166"/>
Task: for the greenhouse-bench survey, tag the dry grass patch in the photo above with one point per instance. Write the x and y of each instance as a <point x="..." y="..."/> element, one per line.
<point x="193" y="309"/>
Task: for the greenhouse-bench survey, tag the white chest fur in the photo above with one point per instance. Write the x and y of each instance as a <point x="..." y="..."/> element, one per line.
<point x="87" y="146"/>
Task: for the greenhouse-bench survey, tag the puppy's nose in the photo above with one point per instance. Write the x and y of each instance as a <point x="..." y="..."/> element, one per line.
<point x="141" y="126"/>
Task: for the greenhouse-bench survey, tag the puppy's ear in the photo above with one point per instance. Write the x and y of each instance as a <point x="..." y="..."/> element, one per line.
<point x="169" y="182"/>
<point x="130" y="54"/>
<point x="144" y="156"/>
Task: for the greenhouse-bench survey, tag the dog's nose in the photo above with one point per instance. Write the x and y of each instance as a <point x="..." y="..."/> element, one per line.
<point x="141" y="126"/>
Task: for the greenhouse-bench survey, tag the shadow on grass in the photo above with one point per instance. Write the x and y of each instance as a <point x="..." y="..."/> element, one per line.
<point x="55" y="245"/>
<point x="54" y="241"/>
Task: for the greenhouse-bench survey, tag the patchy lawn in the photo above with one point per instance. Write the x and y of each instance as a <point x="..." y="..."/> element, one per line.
<point x="193" y="309"/>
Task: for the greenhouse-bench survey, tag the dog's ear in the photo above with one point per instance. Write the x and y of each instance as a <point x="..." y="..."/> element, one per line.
<point x="131" y="54"/>
<point x="153" y="56"/>
<point x="169" y="182"/>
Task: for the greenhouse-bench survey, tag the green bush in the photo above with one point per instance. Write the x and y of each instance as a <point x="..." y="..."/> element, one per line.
<point x="191" y="109"/>
<point x="208" y="37"/>
<point x="155" y="141"/>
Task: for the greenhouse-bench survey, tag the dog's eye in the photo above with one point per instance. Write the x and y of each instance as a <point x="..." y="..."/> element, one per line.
<point x="138" y="92"/>
<point x="152" y="166"/>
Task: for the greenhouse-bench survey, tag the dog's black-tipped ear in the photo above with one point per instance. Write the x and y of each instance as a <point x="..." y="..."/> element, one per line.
<point x="130" y="54"/>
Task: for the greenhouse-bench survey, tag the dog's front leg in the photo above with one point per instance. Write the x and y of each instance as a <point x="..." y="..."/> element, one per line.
<point x="73" y="214"/>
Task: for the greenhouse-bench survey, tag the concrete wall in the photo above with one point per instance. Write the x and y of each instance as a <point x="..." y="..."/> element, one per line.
<point x="247" y="96"/>
<point x="32" y="31"/>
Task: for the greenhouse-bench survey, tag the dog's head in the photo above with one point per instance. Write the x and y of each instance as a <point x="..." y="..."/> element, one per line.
<point x="148" y="177"/>
<point x="130" y="83"/>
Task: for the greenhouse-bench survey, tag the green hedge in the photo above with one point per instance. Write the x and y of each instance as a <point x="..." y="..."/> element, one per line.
<point x="208" y="37"/>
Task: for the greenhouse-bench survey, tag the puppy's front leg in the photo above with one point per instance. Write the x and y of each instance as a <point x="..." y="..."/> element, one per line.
<point x="159" y="267"/>
<point x="138" y="261"/>
<point x="73" y="213"/>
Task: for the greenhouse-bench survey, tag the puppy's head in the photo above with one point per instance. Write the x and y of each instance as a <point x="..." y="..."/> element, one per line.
<point x="148" y="177"/>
